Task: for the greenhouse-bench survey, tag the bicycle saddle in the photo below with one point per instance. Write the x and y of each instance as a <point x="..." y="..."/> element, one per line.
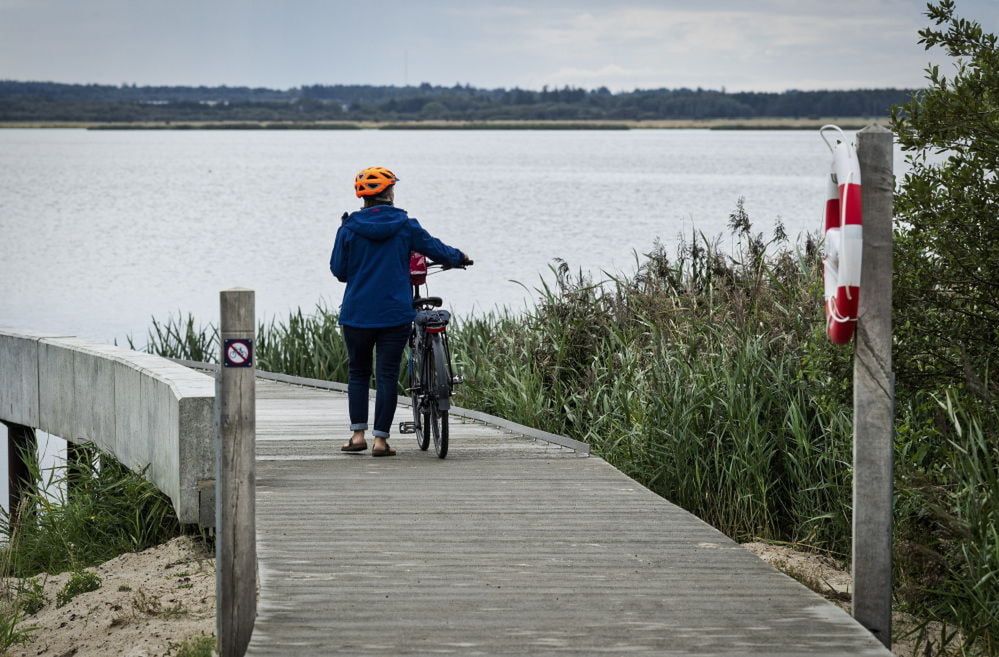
<point x="432" y="318"/>
<point x="433" y="302"/>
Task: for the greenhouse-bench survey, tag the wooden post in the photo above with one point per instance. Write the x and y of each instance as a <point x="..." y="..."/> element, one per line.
<point x="22" y="448"/>
<point x="874" y="393"/>
<point x="235" y="542"/>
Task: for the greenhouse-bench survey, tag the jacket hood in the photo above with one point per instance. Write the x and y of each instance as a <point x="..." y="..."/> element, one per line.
<point x="377" y="223"/>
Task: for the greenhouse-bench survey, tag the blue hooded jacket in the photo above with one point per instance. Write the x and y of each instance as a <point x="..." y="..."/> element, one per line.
<point x="371" y="255"/>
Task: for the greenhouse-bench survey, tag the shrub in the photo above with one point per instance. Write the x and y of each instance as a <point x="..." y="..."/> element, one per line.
<point x="81" y="581"/>
<point x="31" y="596"/>
<point x="947" y="239"/>
<point x="199" y="646"/>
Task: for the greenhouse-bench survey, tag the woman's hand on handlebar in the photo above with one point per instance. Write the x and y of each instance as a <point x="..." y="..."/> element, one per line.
<point x="465" y="262"/>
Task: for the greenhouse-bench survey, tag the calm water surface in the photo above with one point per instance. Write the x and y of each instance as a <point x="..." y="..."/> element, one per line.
<point x="100" y="231"/>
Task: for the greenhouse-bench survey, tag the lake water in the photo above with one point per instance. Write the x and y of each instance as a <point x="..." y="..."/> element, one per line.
<point x="99" y="231"/>
<point x="102" y="230"/>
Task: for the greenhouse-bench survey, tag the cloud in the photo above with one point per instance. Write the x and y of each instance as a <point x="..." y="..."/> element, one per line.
<point x="596" y="77"/>
<point x="771" y="46"/>
<point x="765" y="44"/>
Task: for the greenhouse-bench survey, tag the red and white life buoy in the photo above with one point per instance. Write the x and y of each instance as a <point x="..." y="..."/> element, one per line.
<point x="844" y="240"/>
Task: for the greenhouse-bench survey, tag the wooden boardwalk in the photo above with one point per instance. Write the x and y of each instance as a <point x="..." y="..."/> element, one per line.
<point x="509" y="547"/>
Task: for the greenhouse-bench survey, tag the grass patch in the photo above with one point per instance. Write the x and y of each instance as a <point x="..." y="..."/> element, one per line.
<point x="148" y="605"/>
<point x="15" y="605"/>
<point x="82" y="581"/>
<point x="31" y="596"/>
<point x="108" y="511"/>
<point x="199" y="646"/>
<point x="13" y="632"/>
<point x="303" y="343"/>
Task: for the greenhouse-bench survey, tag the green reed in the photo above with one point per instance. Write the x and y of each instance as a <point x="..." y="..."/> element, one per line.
<point x="699" y="377"/>
<point x="303" y="344"/>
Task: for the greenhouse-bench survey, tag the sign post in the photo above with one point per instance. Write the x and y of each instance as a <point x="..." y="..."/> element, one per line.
<point x="235" y="509"/>
<point x="874" y="392"/>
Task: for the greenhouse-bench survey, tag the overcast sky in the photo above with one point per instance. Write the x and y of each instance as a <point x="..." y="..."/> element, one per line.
<point x="738" y="44"/>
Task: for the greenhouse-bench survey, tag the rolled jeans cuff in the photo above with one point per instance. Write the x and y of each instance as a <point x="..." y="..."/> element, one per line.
<point x="380" y="434"/>
<point x="359" y="426"/>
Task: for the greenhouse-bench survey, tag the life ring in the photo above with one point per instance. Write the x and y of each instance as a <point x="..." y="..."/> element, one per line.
<point x="844" y="240"/>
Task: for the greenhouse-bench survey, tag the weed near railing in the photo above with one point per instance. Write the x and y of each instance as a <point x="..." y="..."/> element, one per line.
<point x="83" y="515"/>
<point x="17" y="601"/>
<point x="303" y="345"/>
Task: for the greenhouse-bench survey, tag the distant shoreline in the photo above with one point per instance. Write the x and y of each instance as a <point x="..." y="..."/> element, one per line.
<point x="848" y="123"/>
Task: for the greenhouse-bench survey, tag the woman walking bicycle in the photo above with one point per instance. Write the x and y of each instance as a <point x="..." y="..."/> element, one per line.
<point x="371" y="255"/>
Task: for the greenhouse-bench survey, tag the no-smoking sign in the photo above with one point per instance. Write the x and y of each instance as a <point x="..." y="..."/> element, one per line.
<point x="238" y="352"/>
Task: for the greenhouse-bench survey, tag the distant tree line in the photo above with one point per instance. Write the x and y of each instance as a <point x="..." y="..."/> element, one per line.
<point x="49" y="101"/>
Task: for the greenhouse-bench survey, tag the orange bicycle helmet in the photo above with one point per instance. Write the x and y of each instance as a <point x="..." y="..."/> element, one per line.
<point x="373" y="181"/>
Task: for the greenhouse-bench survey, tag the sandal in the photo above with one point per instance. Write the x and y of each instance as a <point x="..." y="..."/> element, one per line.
<point x="351" y="446"/>
<point x="387" y="451"/>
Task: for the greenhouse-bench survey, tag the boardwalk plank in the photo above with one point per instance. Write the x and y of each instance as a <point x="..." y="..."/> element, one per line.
<point x="509" y="547"/>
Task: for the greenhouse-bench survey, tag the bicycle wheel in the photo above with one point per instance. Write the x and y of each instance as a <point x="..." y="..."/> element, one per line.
<point x="416" y="398"/>
<point x="441" y="397"/>
<point x="438" y="424"/>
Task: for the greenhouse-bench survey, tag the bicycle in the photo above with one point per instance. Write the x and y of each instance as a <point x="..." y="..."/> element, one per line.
<point x="431" y="372"/>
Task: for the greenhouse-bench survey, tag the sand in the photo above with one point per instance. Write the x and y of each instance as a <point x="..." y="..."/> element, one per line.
<point x="831" y="579"/>
<point x="148" y="603"/>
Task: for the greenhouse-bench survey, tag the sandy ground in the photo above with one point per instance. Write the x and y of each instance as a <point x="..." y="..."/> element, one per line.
<point x="822" y="574"/>
<point x="831" y="579"/>
<point x="147" y="603"/>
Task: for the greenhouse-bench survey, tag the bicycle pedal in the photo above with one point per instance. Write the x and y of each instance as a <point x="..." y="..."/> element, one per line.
<point x="407" y="427"/>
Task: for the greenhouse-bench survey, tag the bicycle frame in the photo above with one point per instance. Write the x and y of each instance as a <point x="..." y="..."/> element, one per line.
<point x="419" y="337"/>
<point x="430" y="367"/>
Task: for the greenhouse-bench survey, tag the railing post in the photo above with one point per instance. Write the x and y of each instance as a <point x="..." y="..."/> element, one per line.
<point x="235" y="542"/>
<point x="874" y="393"/>
<point x="22" y="444"/>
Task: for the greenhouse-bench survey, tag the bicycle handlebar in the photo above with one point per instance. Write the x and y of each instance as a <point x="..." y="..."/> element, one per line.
<point x="442" y="266"/>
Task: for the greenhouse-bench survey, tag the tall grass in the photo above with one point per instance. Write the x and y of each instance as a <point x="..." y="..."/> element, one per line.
<point x="14" y="607"/>
<point x="302" y="345"/>
<point x="707" y="377"/>
<point x="956" y="510"/>
<point x="83" y="515"/>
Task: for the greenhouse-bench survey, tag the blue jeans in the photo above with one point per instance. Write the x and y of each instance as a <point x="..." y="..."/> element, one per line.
<point x="390" y="342"/>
